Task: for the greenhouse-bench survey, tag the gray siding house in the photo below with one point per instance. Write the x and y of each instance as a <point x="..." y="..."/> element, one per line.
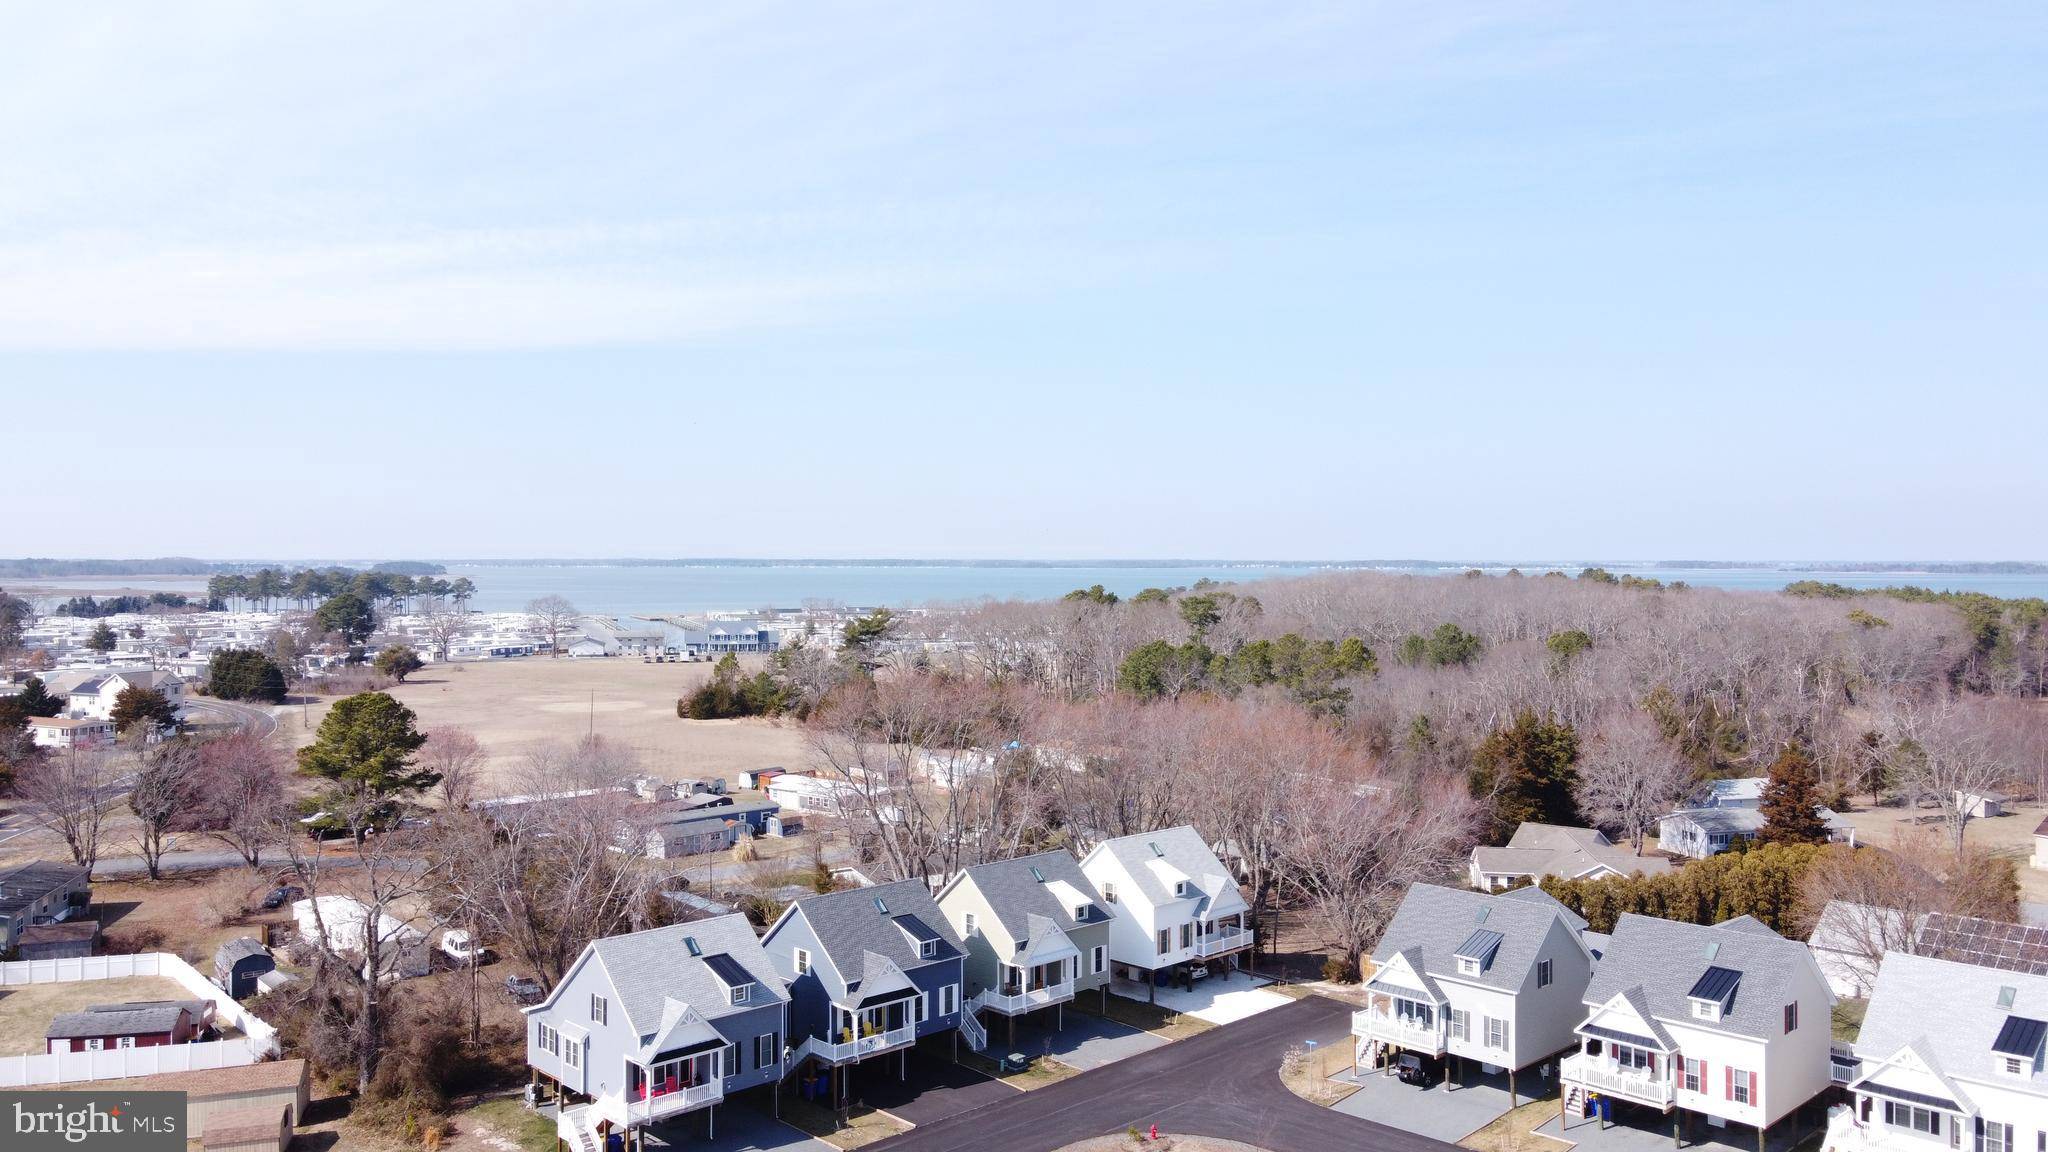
<point x="650" y="1026"/>
<point x="870" y="971"/>
<point x="1036" y="933"/>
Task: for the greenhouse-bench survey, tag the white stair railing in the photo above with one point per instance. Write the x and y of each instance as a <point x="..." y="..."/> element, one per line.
<point x="977" y="1036"/>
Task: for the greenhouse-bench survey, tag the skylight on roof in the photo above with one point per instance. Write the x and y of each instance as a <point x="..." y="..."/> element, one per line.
<point x="1480" y="917"/>
<point x="881" y="907"/>
<point x="1154" y="845"/>
<point x="690" y="942"/>
<point x="1037" y="875"/>
<point x="2006" y="993"/>
<point x="1713" y="949"/>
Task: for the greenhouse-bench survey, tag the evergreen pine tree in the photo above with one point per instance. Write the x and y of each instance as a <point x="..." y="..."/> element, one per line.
<point x="1791" y="801"/>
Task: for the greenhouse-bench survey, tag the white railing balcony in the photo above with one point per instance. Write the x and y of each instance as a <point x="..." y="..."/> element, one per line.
<point x="860" y="1047"/>
<point x="659" y="1105"/>
<point x="1217" y="943"/>
<point x="1845" y="1133"/>
<point x="1635" y="1084"/>
<point x="1009" y="1004"/>
<point x="1400" y="1031"/>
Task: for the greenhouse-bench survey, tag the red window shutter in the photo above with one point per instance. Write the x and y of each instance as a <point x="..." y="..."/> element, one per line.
<point x="1752" y="1089"/>
<point x="1704" y="1081"/>
<point x="1728" y="1078"/>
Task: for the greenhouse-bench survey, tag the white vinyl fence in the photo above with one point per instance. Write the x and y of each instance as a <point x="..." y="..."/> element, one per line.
<point x="257" y="1042"/>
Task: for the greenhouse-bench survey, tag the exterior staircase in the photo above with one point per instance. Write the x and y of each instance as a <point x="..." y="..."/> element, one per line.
<point x="575" y="1126"/>
<point x="1574" y="1099"/>
<point x="977" y="1036"/>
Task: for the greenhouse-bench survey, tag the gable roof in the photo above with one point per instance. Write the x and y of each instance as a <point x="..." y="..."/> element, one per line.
<point x="1439" y="924"/>
<point x="1667" y="960"/>
<point x="850" y="924"/>
<point x="649" y="969"/>
<point x="1561" y="850"/>
<point x="1950" y="1013"/>
<point x="1016" y="893"/>
<point x="1154" y="860"/>
<point x="120" y="1020"/>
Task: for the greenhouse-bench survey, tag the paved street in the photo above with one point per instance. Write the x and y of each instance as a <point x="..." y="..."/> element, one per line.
<point x="1085" y="1042"/>
<point x="1223" y="1083"/>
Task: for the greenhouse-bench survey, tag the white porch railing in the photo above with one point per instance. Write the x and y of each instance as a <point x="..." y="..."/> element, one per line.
<point x="977" y="1036"/>
<point x="1218" y="943"/>
<point x="1632" y="1083"/>
<point x="659" y="1105"/>
<point x="1010" y="1005"/>
<point x="1399" y="1031"/>
<point x="860" y="1047"/>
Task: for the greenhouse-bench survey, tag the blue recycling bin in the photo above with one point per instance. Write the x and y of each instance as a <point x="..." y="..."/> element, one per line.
<point x="1606" y="1107"/>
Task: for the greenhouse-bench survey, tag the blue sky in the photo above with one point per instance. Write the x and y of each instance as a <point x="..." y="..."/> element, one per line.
<point x="1029" y="280"/>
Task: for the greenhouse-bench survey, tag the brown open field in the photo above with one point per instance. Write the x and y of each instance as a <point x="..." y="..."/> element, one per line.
<point x="510" y="705"/>
<point x="27" y="1009"/>
<point x="2009" y="835"/>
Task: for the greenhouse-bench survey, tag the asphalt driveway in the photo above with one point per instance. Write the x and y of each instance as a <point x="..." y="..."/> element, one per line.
<point x="1223" y="1083"/>
<point x="1086" y="1042"/>
<point x="930" y="1088"/>
<point x="1451" y="1115"/>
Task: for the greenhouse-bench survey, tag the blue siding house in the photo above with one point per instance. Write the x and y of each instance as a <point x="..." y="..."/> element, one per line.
<point x="870" y="971"/>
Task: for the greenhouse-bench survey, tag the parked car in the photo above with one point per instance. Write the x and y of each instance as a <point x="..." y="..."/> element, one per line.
<point x="281" y="895"/>
<point x="1410" y="1068"/>
<point x="525" y="989"/>
<point x="456" y="945"/>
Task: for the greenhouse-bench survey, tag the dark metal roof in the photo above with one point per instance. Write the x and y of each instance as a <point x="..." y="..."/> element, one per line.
<point x="1480" y="946"/>
<point x="1909" y="1097"/>
<point x="2020" y="1037"/>
<point x="918" y="929"/>
<point x="688" y="1050"/>
<point x="1619" y="1036"/>
<point x="885" y="997"/>
<point x="729" y="971"/>
<point x="1716" y="984"/>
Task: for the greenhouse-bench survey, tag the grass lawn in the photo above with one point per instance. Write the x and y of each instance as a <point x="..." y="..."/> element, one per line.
<point x="1043" y="1070"/>
<point x="508" y="1119"/>
<point x="1515" y="1131"/>
<point x="1139" y="1014"/>
<point x="1306" y="1072"/>
<point x="26" y="1009"/>
<point x="862" y="1126"/>
<point x="1847" y="1018"/>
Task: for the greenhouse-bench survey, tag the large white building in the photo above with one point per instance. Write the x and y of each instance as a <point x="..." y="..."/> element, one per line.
<point x="1950" y="1056"/>
<point x="1726" y="1024"/>
<point x="1172" y="903"/>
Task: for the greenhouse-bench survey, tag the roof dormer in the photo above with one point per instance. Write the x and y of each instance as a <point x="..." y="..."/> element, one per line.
<point x="1182" y="889"/>
<point x="1476" y="954"/>
<point x="2017" y="1050"/>
<point x="1713" y="994"/>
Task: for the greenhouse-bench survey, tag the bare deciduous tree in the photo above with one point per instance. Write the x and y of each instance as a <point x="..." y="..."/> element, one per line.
<point x="1941" y="749"/>
<point x="239" y="795"/>
<point x="1629" y="775"/>
<point x="459" y="759"/>
<point x="68" y="793"/>
<point x="549" y="618"/>
<point x="443" y="629"/>
<point x="163" y="782"/>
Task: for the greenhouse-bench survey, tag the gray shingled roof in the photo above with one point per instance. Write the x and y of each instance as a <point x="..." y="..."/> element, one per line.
<point x="118" y="1020"/>
<point x="1439" y="921"/>
<point x="1181" y="848"/>
<point x="1665" y="959"/>
<point x="1948" y="1011"/>
<point x="848" y="925"/>
<point x="1562" y="850"/>
<point x="241" y="947"/>
<point x="648" y="968"/>
<point x="1016" y="895"/>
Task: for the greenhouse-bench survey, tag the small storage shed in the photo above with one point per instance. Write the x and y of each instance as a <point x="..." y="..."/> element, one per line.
<point x="260" y="1129"/>
<point x="68" y="940"/>
<point x="239" y="963"/>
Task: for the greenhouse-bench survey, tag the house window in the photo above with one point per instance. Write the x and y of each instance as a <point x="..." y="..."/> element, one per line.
<point x="1694" y="1075"/>
<point x="949" y="999"/>
<point x="1182" y="889"/>
<point x="1461" y="1024"/>
<point x="1993" y="1137"/>
<point x="2012" y="1066"/>
<point x="548" y="1040"/>
<point x="597" y="1009"/>
<point x="969" y="922"/>
<point x="1497" y="1033"/>
<point x="803" y="961"/>
<point x="1792" y="1017"/>
<point x="1187" y="935"/>
<point x="767" y="1053"/>
<point x="1467" y="966"/>
<point x="125" y="1042"/>
<point x="571" y="1056"/>
<point x="1109" y="893"/>
<point x="1741" y="1086"/>
<point x="926" y="949"/>
<point x="740" y="994"/>
<point x="1543" y="973"/>
<point x="1080" y="913"/>
<point x="1630" y="1058"/>
<point x="95" y="1044"/>
<point x="1907" y="1116"/>
<point x="1165" y="941"/>
<point x="728" y="1061"/>
<point x="1704" y="1009"/>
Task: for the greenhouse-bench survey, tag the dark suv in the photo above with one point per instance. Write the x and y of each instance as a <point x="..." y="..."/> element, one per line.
<point x="1412" y="1069"/>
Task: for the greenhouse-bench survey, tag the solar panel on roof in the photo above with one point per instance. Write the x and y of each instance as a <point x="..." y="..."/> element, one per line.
<point x="2020" y="1037"/>
<point x="1715" y="984"/>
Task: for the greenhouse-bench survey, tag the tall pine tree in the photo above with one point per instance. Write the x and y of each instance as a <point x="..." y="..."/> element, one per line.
<point x="1529" y="768"/>
<point x="1791" y="801"/>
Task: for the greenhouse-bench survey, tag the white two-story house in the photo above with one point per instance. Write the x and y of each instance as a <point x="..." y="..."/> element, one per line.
<point x="1171" y="903"/>
<point x="1492" y="979"/>
<point x="651" y="1026"/>
<point x="1728" y="1022"/>
<point x="1950" y="1056"/>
